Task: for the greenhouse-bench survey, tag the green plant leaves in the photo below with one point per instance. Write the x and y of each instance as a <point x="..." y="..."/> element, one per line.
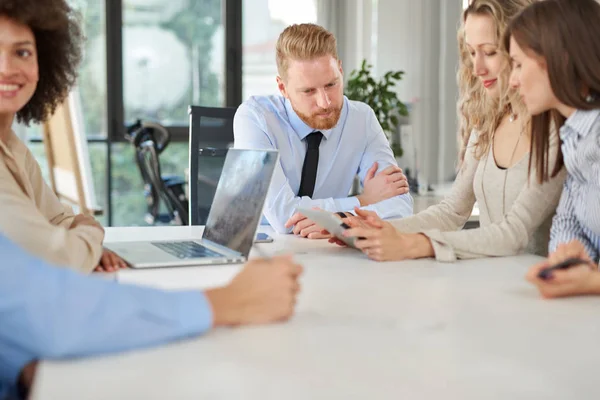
<point x="380" y="96"/>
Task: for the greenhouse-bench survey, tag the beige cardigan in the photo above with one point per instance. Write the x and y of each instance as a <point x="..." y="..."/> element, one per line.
<point x="523" y="227"/>
<point x="33" y="217"/>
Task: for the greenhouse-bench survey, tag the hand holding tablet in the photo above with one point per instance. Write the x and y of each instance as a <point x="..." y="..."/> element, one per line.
<point x="330" y="222"/>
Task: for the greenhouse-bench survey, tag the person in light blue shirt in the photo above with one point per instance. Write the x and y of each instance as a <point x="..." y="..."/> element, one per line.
<point x="324" y="139"/>
<point x="48" y="312"/>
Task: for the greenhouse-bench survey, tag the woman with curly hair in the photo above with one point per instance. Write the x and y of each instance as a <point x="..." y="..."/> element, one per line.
<point x="39" y="56"/>
<point x="495" y="130"/>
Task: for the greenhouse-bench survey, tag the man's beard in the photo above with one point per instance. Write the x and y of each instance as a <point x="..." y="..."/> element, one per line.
<point x="316" y="122"/>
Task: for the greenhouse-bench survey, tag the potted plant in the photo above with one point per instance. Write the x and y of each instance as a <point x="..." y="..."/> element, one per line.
<point x="379" y="94"/>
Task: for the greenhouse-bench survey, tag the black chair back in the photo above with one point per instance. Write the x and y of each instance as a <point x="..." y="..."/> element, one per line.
<point x="211" y="134"/>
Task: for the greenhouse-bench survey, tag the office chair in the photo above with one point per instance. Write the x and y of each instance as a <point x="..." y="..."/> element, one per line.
<point x="149" y="140"/>
<point x="211" y="133"/>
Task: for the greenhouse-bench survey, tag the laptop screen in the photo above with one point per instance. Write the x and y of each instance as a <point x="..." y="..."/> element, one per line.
<point x="210" y="165"/>
<point x="239" y="199"/>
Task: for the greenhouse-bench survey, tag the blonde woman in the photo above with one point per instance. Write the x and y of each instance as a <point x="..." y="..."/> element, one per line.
<point x="515" y="211"/>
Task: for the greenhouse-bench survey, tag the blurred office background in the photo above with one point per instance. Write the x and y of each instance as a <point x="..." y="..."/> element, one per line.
<point x="151" y="59"/>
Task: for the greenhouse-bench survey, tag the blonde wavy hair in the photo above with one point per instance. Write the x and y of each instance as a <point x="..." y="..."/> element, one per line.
<point x="476" y="110"/>
<point x="303" y="42"/>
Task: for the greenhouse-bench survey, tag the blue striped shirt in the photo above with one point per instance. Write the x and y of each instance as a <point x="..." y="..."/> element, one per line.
<point x="578" y="213"/>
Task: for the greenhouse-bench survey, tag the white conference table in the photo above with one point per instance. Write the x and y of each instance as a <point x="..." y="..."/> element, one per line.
<point x="363" y="330"/>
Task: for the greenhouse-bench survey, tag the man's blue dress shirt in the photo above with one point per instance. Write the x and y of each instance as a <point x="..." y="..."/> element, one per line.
<point x="348" y="149"/>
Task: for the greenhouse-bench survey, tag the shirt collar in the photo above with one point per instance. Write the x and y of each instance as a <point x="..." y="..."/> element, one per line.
<point x="6" y="146"/>
<point x="303" y="130"/>
<point x="580" y="122"/>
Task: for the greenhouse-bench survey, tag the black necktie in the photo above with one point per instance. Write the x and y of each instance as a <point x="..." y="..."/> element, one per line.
<point x="311" y="161"/>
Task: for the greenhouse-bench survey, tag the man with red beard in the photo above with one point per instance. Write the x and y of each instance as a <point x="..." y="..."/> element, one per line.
<point x="323" y="138"/>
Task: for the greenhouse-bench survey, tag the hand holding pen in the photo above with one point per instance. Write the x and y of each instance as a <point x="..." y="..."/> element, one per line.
<point x="569" y="271"/>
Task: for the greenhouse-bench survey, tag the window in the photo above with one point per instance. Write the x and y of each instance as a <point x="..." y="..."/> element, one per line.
<point x="129" y="202"/>
<point x="98" y="161"/>
<point x="39" y="153"/>
<point x="92" y="74"/>
<point x="172" y="57"/>
<point x="169" y="54"/>
<point x="263" y="21"/>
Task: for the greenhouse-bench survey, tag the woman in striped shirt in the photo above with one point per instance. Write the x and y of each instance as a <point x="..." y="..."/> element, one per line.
<point x="555" y="53"/>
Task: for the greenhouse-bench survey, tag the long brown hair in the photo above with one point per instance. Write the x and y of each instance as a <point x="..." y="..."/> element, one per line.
<point x="476" y="109"/>
<point x="566" y="35"/>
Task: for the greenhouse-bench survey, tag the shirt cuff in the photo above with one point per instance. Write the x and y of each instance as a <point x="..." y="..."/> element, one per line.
<point x="443" y="251"/>
<point x="347" y="204"/>
<point x="395" y="207"/>
<point x="195" y="312"/>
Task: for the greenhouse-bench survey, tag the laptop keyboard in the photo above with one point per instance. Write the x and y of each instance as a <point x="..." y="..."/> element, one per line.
<point x="184" y="250"/>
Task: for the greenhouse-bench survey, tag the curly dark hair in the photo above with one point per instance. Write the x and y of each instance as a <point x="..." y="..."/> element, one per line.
<point x="58" y="37"/>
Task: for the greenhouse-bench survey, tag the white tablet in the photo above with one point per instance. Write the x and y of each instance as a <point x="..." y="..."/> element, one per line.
<point x="329" y="221"/>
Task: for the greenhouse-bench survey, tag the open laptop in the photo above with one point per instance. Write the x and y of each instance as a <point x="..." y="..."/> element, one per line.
<point x="232" y="220"/>
<point x="209" y="162"/>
